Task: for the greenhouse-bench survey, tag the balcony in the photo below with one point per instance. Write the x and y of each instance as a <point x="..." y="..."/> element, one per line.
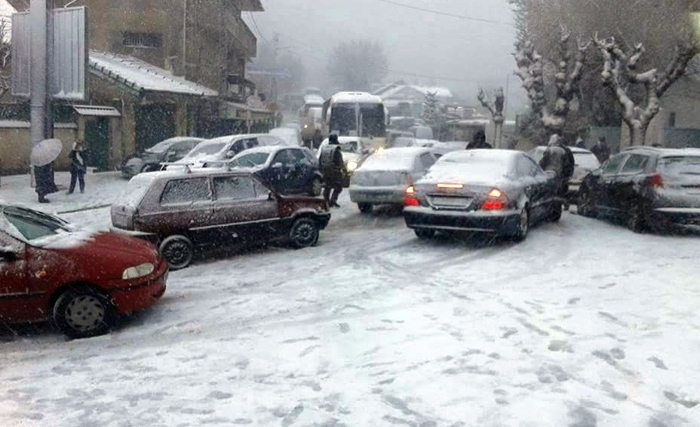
<point x="242" y="36"/>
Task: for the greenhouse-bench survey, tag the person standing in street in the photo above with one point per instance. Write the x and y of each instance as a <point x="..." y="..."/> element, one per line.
<point x="601" y="150"/>
<point x="478" y="141"/>
<point x="45" y="184"/>
<point x="333" y="169"/>
<point x="580" y="143"/>
<point x="559" y="159"/>
<point x="77" y="167"/>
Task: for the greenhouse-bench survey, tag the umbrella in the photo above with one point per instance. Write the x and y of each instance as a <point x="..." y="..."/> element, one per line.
<point x="46" y="152"/>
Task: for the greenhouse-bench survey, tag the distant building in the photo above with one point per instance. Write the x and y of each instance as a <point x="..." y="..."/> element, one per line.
<point x="402" y="99"/>
<point x="161" y="68"/>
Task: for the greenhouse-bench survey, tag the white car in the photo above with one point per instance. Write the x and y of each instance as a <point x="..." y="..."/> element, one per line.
<point x="291" y="135"/>
<point x="384" y="177"/>
<point x="223" y="148"/>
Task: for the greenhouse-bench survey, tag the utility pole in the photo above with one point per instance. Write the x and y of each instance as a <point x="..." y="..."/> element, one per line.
<point x="276" y="48"/>
<point x="38" y="18"/>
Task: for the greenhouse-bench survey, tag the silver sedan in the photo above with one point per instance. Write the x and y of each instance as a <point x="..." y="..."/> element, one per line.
<point x="385" y="175"/>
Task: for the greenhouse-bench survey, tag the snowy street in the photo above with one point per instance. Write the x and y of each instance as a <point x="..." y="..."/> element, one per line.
<point x="584" y="324"/>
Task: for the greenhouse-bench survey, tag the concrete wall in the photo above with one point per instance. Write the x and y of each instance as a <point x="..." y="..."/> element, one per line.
<point x="15" y="146"/>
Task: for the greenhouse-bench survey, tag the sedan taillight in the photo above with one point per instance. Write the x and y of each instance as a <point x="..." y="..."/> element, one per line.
<point x="410" y="197"/>
<point x="495" y="201"/>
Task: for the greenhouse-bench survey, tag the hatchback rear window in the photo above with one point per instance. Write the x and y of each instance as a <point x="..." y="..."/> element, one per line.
<point x="586" y="160"/>
<point x="680" y="165"/>
<point x="189" y="190"/>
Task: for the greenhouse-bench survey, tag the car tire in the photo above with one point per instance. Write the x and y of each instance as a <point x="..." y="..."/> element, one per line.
<point x="83" y="312"/>
<point x="316" y="187"/>
<point x="365" y="208"/>
<point x="424" y="233"/>
<point x="584" y="205"/>
<point x="178" y="251"/>
<point x="636" y="219"/>
<point x="523" y="225"/>
<point x="555" y="212"/>
<point x="303" y="233"/>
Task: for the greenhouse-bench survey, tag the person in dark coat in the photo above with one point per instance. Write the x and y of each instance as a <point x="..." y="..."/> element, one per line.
<point x="77" y="167"/>
<point x="559" y="159"/>
<point x="580" y="143"/>
<point x="333" y="169"/>
<point x="601" y="150"/>
<point x="317" y="139"/>
<point x="45" y="184"/>
<point x="478" y="141"/>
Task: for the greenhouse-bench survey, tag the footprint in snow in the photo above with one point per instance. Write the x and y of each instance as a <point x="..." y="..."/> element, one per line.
<point x="344" y="328"/>
<point x="658" y="363"/>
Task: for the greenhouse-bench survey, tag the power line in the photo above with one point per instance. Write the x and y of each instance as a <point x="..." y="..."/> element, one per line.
<point x="452" y="15"/>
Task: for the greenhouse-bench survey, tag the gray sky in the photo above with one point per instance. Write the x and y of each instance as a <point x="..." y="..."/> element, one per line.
<point x="423" y="47"/>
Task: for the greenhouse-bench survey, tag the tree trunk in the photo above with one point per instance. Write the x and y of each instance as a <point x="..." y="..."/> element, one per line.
<point x="638" y="134"/>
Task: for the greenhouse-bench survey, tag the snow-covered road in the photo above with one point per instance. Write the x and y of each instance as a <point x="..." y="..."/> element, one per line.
<point x="584" y="324"/>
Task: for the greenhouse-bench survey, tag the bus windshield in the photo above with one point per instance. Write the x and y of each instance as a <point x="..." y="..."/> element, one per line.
<point x="372" y="119"/>
<point x="343" y="120"/>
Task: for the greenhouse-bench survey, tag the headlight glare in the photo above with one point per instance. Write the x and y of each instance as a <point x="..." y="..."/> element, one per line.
<point x="351" y="166"/>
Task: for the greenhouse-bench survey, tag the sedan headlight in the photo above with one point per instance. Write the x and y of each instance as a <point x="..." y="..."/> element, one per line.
<point x="138" y="271"/>
<point x="351" y="166"/>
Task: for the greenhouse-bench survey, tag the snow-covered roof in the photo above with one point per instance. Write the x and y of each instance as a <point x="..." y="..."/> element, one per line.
<point x="344" y="97"/>
<point x="142" y="76"/>
<point x="440" y="92"/>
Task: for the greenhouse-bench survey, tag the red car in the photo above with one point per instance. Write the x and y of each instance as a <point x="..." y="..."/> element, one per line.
<point x="81" y="280"/>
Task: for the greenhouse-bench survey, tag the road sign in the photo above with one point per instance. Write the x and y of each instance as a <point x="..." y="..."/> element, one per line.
<point x="68" y="55"/>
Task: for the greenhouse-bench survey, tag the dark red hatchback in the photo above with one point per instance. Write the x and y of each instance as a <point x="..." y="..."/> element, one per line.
<point x="81" y="280"/>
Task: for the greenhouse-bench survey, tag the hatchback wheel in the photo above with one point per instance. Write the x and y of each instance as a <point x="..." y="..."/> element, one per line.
<point x="83" y="312"/>
<point x="636" y="219"/>
<point x="316" y="187"/>
<point x="304" y="233"/>
<point x="365" y="207"/>
<point x="555" y="212"/>
<point x="178" y="251"/>
<point x="424" y="233"/>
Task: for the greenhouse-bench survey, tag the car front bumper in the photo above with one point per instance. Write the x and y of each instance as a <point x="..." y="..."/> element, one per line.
<point x="377" y="195"/>
<point x="141" y="294"/>
<point x="505" y="222"/>
<point x="677" y="216"/>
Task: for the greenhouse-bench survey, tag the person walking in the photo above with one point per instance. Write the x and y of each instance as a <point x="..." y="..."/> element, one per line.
<point x="601" y="150"/>
<point x="333" y="169"/>
<point x="45" y="185"/>
<point x="77" y="167"/>
<point x="478" y="141"/>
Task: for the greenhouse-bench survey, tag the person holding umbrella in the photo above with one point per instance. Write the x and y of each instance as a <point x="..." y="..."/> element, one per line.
<point x="77" y="167"/>
<point x="42" y="158"/>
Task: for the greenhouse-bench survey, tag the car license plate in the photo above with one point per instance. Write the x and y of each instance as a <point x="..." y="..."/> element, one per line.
<point x="451" y="202"/>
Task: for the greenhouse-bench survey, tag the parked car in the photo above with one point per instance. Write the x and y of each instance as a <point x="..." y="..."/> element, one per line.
<point x="384" y="177"/>
<point x="182" y="211"/>
<point x="585" y="162"/>
<point x="650" y="188"/>
<point x="223" y="148"/>
<point x="290" y="135"/>
<point x="50" y="270"/>
<point x="287" y="170"/>
<point x="354" y="153"/>
<point x="494" y="191"/>
<point x="170" y="150"/>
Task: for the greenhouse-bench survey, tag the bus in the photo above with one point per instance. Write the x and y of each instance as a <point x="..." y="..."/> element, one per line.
<point x="358" y="114"/>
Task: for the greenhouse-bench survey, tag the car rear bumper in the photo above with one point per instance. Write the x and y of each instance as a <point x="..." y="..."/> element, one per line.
<point x="378" y="195"/>
<point x="140" y="296"/>
<point x="506" y="222"/>
<point x="679" y="216"/>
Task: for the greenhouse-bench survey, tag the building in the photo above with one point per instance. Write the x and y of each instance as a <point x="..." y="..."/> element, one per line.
<point x="161" y="68"/>
<point x="402" y="99"/>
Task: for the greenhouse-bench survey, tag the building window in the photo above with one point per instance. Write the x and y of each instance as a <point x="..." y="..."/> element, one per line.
<point x="672" y="120"/>
<point x="149" y="40"/>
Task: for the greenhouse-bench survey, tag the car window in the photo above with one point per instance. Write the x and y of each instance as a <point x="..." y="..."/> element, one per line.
<point x="238" y="188"/>
<point x="250" y="160"/>
<point x="525" y="166"/>
<point x="635" y="164"/>
<point x="33" y="225"/>
<point x="182" y="147"/>
<point x="427" y="160"/>
<point x="612" y="165"/>
<point x="251" y="143"/>
<point x="297" y="156"/>
<point x="586" y="160"/>
<point x="189" y="190"/>
<point x="283" y="157"/>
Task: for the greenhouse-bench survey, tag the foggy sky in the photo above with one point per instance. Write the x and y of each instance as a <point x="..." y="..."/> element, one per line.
<point x="444" y="50"/>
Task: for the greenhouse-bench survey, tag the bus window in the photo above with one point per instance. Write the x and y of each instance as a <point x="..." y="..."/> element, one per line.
<point x="343" y="120"/>
<point x="372" y="119"/>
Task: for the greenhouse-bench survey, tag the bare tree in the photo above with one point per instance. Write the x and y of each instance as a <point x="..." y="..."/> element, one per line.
<point x="5" y="53"/>
<point x="496" y="111"/>
<point x="620" y="72"/>
<point x="567" y="75"/>
<point x="357" y="64"/>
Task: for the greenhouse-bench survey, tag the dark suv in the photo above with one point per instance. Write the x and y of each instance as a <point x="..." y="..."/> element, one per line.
<point x="651" y="188"/>
<point x="287" y="170"/>
<point x="181" y="211"/>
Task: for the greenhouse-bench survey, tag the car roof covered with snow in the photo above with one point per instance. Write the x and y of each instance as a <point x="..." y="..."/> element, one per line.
<point x="398" y="158"/>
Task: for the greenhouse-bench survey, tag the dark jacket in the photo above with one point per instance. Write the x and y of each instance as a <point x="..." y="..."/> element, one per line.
<point x="474" y="145"/>
<point x="554" y="159"/>
<point x="77" y="159"/>
<point x="331" y="164"/>
<point x="601" y="151"/>
<point x="43" y="176"/>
